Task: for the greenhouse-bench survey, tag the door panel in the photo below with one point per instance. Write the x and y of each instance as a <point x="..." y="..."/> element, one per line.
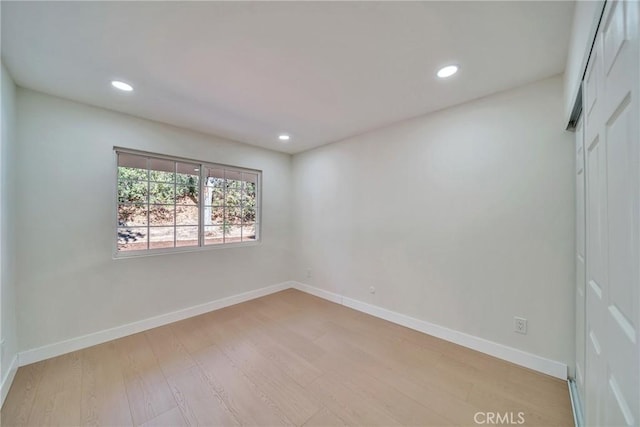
<point x="618" y="414"/>
<point x="622" y="210"/>
<point x="614" y="34"/>
<point x="612" y="171"/>
<point x="594" y="294"/>
<point x="596" y="221"/>
<point x="580" y="262"/>
<point x="620" y="119"/>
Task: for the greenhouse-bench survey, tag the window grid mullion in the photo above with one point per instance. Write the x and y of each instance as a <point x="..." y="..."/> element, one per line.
<point x="175" y="201"/>
<point x="148" y="204"/>
<point x="200" y="205"/>
<point x="224" y="209"/>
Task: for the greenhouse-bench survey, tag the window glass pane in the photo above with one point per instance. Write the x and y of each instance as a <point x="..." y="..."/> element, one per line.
<point x="213" y="216"/>
<point x="132" y="167"/>
<point x="234" y="186"/>
<point x="133" y="161"/>
<point x="187" y="173"/>
<point x="161" y="215"/>
<point x="233" y="196"/>
<point x="132" y="238"/>
<point x="233" y="191"/>
<point x="187" y="215"/>
<point x="250" y="189"/>
<point x="162" y="193"/>
<point x="232" y="176"/>
<point x="213" y="235"/>
<point x="250" y="177"/>
<point x="186" y="236"/>
<point x="249" y="200"/>
<point x="248" y="214"/>
<point x="218" y="196"/>
<point x="158" y="176"/>
<point x="160" y="237"/>
<point x="207" y="194"/>
<point x="132" y="191"/>
<point x="233" y="215"/>
<point x="213" y="196"/>
<point x="162" y="170"/>
<point x="248" y="232"/>
<point x="214" y="187"/>
<point x="132" y="215"/>
<point x="129" y="174"/>
<point x="214" y="176"/>
<point x="232" y="233"/>
<point x="187" y="195"/>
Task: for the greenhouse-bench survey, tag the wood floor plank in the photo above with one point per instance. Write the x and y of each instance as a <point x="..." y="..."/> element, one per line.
<point x="57" y="400"/>
<point x="192" y="333"/>
<point x="441" y="407"/>
<point x="298" y="368"/>
<point x="170" y="353"/>
<point x="393" y="402"/>
<point x="286" y="359"/>
<point x="426" y="374"/>
<point x="324" y="418"/>
<point x="300" y="344"/>
<point x="274" y="381"/>
<point x="147" y="390"/>
<point x="273" y="308"/>
<point x="496" y="401"/>
<point x="310" y="327"/>
<point x="171" y="418"/>
<point x="19" y="402"/>
<point x="103" y="395"/>
<point x="248" y="404"/>
<point x="198" y="401"/>
<point x="355" y="408"/>
<point x="499" y="382"/>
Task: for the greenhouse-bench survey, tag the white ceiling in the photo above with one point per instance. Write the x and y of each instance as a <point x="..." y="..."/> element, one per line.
<point x="320" y="71"/>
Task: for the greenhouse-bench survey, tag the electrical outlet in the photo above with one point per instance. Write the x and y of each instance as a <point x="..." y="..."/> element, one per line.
<point x="309" y="274"/>
<point x="520" y="325"/>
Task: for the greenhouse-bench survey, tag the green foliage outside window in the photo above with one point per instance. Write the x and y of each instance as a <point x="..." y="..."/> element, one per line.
<point x="237" y="197"/>
<point x="134" y="188"/>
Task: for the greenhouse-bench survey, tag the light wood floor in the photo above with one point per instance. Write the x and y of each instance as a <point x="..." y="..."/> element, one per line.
<point x="285" y="359"/>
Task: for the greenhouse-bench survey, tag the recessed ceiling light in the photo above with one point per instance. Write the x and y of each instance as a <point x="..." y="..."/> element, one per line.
<point x="284" y="137"/>
<point x="122" y="85"/>
<point x="447" y="71"/>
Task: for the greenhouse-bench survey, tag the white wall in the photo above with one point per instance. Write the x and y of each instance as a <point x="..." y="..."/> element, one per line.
<point x="583" y="30"/>
<point x="8" y="326"/>
<point x="463" y="218"/>
<point x="69" y="285"/>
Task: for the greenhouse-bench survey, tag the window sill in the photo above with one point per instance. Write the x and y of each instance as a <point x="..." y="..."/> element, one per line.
<point x="170" y="251"/>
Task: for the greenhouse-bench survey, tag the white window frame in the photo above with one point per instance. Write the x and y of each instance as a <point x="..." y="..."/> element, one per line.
<point x="201" y="206"/>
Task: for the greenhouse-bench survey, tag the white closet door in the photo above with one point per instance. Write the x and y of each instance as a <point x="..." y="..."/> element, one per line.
<point x="612" y="139"/>
<point x="580" y="261"/>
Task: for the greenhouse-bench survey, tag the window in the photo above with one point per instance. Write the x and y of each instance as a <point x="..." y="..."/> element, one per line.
<point x="169" y="204"/>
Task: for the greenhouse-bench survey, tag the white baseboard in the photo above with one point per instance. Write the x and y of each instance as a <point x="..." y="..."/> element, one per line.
<point x="56" y="349"/>
<point x="329" y="296"/>
<point x="501" y="351"/>
<point x="8" y="379"/>
<point x="510" y="354"/>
